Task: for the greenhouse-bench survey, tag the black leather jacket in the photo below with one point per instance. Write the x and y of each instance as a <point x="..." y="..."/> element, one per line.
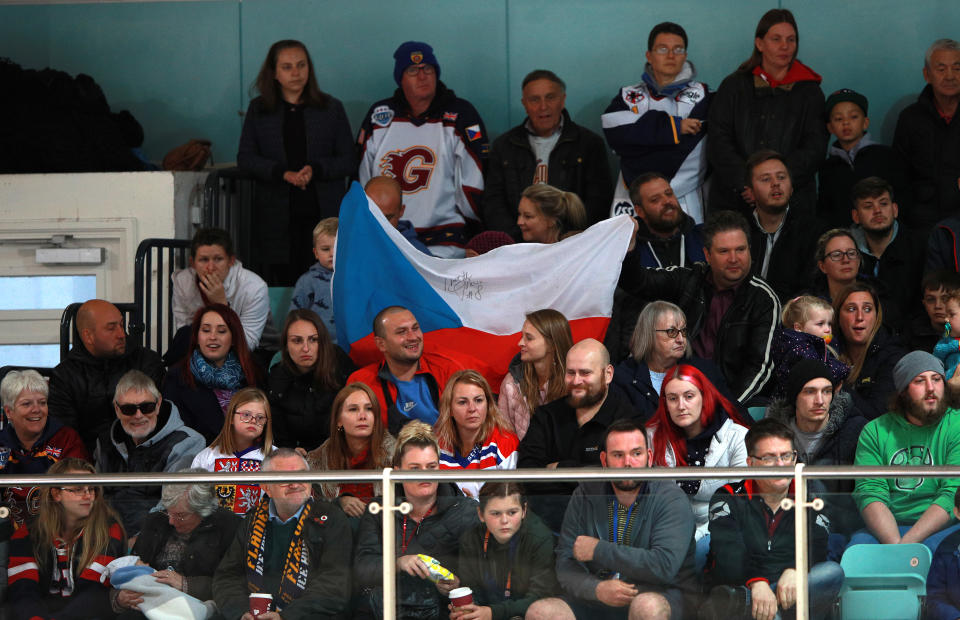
<point x="743" y="343"/>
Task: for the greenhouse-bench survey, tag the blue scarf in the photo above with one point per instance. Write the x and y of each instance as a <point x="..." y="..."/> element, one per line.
<point x="229" y="376"/>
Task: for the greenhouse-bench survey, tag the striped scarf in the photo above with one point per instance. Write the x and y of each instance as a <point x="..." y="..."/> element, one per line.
<point x="296" y="565"/>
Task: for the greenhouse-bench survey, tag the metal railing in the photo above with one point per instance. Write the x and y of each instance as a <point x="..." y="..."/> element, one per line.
<point x="389" y="476"/>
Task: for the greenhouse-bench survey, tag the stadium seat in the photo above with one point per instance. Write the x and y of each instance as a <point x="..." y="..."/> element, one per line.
<point x="884" y="582"/>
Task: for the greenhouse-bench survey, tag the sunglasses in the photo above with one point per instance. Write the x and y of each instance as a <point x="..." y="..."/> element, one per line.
<point x="130" y="409"/>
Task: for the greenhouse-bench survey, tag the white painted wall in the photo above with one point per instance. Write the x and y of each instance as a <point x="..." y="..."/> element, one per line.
<point x="114" y="211"/>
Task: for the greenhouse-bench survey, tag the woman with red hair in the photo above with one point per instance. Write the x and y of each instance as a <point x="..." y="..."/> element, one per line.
<point x="695" y="426"/>
<point x="218" y="364"/>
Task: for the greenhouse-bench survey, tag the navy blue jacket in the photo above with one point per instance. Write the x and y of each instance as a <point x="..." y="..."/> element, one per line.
<point x="943" y="580"/>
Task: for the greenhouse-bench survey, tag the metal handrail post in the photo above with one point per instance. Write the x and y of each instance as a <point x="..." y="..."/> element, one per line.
<point x="389" y="540"/>
<point x="800" y="505"/>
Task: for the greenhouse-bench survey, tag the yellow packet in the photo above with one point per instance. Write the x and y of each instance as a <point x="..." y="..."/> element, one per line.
<point x="437" y="572"/>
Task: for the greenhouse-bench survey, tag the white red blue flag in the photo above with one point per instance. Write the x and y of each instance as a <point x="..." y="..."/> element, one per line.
<point x="474" y="305"/>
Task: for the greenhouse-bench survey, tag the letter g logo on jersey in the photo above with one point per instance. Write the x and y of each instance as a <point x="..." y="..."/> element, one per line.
<point x="412" y="167"/>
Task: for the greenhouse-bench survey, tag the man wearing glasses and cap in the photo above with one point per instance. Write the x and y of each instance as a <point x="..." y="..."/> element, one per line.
<point x="751" y="565"/>
<point x="434" y="144"/>
<point x="147" y="436"/>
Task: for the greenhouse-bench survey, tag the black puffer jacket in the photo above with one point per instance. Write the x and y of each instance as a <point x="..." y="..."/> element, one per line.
<point x="930" y="149"/>
<point x="82" y="386"/>
<point x="743" y="344"/>
<point x="438" y="536"/>
<point x="746" y="115"/>
<point x="578" y="163"/>
<point x="207" y="545"/>
<point x="301" y="411"/>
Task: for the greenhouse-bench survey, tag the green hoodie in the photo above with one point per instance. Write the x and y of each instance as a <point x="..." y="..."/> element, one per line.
<point x="892" y="440"/>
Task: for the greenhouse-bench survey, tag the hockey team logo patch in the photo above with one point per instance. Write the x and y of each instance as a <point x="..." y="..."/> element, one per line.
<point x="412" y="167"/>
<point x="632" y="96"/>
<point x="416" y="57"/>
<point x="382" y="115"/>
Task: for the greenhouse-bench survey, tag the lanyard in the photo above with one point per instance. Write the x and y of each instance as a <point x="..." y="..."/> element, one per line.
<point x="511" y="556"/>
<point x="616" y="520"/>
<point x="404" y="543"/>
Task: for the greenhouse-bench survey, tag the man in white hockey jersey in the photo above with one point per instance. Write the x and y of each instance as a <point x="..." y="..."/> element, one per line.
<point x="659" y="125"/>
<point x="434" y="144"/>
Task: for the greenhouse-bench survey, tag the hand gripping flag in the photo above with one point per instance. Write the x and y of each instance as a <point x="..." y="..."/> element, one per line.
<point x="472" y="305"/>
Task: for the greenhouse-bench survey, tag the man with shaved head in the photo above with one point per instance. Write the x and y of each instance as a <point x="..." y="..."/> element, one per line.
<point x="82" y="385"/>
<point x="568" y="432"/>
<point x="409" y="380"/>
<point x="386" y="193"/>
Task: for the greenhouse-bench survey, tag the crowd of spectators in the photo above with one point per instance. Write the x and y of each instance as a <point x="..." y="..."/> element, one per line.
<point x="755" y="324"/>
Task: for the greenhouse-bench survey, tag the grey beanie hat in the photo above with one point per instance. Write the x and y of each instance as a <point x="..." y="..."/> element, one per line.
<point x="911" y="365"/>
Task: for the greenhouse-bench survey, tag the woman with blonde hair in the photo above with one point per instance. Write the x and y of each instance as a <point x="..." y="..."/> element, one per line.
<point x="547" y="214"/>
<point x="244" y="441"/>
<point x="56" y="559"/>
<point x="439" y="516"/>
<point x="357" y="441"/>
<point x="535" y="375"/>
<point x="470" y="430"/>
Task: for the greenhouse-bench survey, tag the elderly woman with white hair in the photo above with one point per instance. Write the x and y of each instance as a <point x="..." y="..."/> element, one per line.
<point x="32" y="441"/>
<point x="659" y="342"/>
<point x="184" y="543"/>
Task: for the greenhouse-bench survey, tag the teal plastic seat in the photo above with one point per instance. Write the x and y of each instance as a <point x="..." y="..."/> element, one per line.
<point x="757" y="413"/>
<point x="279" y="303"/>
<point x="884" y="582"/>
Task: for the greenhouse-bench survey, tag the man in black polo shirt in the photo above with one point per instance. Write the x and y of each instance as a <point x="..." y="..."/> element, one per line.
<point x="568" y="432"/>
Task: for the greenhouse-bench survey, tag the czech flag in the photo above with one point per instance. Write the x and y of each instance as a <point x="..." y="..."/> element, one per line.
<point x="472" y="305"/>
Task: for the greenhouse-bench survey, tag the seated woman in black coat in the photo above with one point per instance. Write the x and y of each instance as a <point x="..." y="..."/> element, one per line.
<point x="868" y="347"/>
<point x="659" y="343"/>
<point x="304" y="384"/>
<point x="218" y="363"/>
<point x="184" y="544"/>
<point x="296" y="141"/>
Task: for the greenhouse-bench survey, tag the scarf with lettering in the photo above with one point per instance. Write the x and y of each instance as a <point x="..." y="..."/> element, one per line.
<point x="296" y="565"/>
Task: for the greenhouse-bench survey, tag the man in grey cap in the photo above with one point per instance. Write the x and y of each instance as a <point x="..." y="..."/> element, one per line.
<point x="921" y="430"/>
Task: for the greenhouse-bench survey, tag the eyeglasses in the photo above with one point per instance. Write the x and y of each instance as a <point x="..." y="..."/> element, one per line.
<point x="413" y="70"/>
<point x="663" y="50"/>
<point x="249" y="418"/>
<point x="769" y="460"/>
<point x="673" y="332"/>
<point x="178" y="516"/>
<point x="836" y="255"/>
<point x="79" y="491"/>
<point x="130" y="409"/>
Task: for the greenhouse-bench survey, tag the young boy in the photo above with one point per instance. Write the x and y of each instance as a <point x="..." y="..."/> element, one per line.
<point x="313" y="290"/>
<point x="924" y="330"/>
<point x="852" y="157"/>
